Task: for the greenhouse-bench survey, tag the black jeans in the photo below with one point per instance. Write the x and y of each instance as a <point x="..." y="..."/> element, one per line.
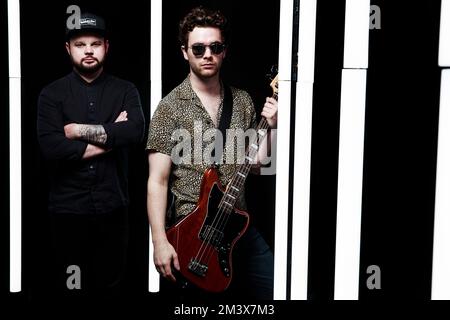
<point x="92" y="247"/>
<point x="253" y="264"/>
<point x="252" y="275"/>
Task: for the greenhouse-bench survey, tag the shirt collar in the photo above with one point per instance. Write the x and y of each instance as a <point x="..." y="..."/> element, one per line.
<point x="99" y="79"/>
<point x="185" y="91"/>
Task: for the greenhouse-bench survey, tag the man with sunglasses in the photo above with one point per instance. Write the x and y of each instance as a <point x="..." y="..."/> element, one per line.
<point x="196" y="106"/>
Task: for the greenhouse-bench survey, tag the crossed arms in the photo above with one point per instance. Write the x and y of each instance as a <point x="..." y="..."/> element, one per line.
<point x="94" y="134"/>
<point x="60" y="140"/>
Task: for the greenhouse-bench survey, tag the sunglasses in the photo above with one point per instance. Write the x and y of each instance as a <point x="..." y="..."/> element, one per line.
<point x="198" y="49"/>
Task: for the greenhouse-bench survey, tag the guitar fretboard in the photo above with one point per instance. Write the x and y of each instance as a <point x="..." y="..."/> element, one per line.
<point x="236" y="184"/>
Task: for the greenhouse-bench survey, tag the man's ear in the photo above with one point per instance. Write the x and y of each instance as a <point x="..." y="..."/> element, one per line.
<point x="106" y="45"/>
<point x="68" y="47"/>
<point x="183" y="49"/>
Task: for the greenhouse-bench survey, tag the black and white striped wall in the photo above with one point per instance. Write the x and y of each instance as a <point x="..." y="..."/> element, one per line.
<point x="362" y="192"/>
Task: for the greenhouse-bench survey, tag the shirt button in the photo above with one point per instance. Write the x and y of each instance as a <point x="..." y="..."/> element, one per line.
<point x="91" y="167"/>
<point x="91" y="103"/>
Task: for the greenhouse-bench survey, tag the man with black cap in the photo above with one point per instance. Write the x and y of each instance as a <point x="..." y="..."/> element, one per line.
<point x="86" y="123"/>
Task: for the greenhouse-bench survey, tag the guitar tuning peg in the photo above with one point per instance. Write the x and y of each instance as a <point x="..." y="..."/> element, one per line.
<point x="274" y="69"/>
<point x="273" y="72"/>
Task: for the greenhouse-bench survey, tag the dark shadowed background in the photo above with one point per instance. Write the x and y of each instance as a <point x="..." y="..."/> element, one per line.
<point x="252" y="50"/>
<point x="400" y="139"/>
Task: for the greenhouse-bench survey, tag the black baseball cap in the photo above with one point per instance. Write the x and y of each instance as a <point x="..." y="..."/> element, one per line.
<point x="89" y="23"/>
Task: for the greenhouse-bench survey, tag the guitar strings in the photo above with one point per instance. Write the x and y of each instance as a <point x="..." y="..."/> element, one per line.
<point x="244" y="169"/>
<point x="221" y="218"/>
<point x="247" y="166"/>
<point x="204" y="248"/>
<point x="225" y="210"/>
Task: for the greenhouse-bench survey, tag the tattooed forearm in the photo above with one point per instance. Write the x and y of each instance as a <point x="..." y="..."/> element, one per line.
<point x="94" y="134"/>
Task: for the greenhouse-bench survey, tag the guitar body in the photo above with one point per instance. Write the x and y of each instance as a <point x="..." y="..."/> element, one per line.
<point x="204" y="249"/>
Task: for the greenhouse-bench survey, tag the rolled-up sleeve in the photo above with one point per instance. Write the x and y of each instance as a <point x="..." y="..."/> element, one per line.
<point x="162" y="126"/>
<point x="124" y="133"/>
<point x="50" y="126"/>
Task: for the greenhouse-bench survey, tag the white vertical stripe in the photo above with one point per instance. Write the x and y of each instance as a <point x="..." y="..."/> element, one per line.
<point x="15" y="146"/>
<point x="155" y="97"/>
<point x="307" y="41"/>
<point x="302" y="176"/>
<point x="351" y="149"/>
<point x="14" y="38"/>
<point x="283" y="134"/>
<point x="441" y="251"/>
<point x="444" y="37"/>
<point x="285" y="44"/>
<point x="302" y="164"/>
<point x="350" y="178"/>
<point x="357" y="20"/>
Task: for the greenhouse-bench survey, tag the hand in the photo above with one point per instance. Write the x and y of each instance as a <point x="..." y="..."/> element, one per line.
<point x="123" y="116"/>
<point x="71" y="131"/>
<point x="163" y="258"/>
<point x="270" y="112"/>
<point x="93" y="151"/>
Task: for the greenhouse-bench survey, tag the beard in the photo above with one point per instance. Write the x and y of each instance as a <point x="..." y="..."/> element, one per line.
<point x="88" y="69"/>
<point x="205" y="74"/>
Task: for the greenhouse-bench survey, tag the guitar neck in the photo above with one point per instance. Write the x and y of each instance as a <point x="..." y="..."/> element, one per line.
<point x="236" y="184"/>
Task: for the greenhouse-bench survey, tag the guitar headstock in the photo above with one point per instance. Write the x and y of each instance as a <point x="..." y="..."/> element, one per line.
<point x="273" y="77"/>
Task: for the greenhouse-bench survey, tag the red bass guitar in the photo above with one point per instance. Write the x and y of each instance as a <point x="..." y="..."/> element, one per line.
<point x="204" y="239"/>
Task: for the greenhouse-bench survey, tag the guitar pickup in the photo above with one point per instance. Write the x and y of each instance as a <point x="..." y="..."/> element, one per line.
<point x="212" y="236"/>
<point x="197" y="268"/>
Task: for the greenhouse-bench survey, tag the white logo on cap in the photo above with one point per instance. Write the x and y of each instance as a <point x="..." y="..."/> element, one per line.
<point x="88" y="22"/>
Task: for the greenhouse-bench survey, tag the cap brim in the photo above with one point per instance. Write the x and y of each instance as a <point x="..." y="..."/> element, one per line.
<point x="77" y="32"/>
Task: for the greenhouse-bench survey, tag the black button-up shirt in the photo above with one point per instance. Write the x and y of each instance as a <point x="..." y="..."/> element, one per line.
<point x="98" y="184"/>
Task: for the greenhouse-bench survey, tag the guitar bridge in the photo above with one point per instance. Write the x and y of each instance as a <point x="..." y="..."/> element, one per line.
<point x="197" y="268"/>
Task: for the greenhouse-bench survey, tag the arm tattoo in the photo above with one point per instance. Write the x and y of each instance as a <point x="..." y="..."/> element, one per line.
<point x="94" y="134"/>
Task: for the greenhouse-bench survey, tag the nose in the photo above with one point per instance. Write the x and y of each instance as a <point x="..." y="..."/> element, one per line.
<point x="88" y="50"/>
<point x="207" y="53"/>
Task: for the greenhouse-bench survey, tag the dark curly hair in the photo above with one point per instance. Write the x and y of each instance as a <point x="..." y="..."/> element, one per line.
<point x="202" y="17"/>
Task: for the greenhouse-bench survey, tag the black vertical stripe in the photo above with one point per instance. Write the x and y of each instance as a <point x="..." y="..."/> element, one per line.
<point x="290" y="252"/>
<point x="325" y="147"/>
<point x="400" y="150"/>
